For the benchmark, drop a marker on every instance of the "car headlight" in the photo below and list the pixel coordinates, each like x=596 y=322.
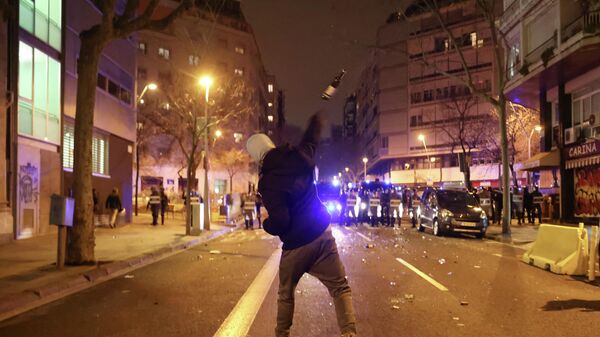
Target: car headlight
x=483 y=216
x=446 y=213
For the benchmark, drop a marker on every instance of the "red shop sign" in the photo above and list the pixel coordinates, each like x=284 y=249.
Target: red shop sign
x=583 y=150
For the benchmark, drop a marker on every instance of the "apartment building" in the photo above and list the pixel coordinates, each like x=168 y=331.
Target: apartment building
x=6 y=213
x=403 y=104
x=223 y=45
x=555 y=68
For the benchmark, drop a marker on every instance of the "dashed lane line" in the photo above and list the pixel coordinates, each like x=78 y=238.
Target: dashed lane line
x=240 y=319
x=422 y=274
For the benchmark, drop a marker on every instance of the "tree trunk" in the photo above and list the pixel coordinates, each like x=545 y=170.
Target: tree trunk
x=188 y=206
x=81 y=241
x=231 y=184
x=501 y=109
x=514 y=176
x=467 y=174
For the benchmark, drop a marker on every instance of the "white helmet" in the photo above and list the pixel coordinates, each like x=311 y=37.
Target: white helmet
x=258 y=145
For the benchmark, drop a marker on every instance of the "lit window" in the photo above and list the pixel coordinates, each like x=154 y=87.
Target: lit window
x=270 y=87
x=164 y=53
x=238 y=71
x=475 y=42
x=240 y=50
x=39 y=107
x=270 y=104
x=193 y=60
x=142 y=47
x=270 y=118
x=99 y=150
x=42 y=18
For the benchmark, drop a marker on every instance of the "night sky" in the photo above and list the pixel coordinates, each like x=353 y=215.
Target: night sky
x=305 y=43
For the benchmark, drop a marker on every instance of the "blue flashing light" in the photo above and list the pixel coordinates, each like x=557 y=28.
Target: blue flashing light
x=350 y=185
x=367 y=181
x=330 y=207
x=336 y=182
x=338 y=207
x=387 y=182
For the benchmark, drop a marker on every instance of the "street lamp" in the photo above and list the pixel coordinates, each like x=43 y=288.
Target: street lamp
x=365 y=160
x=206 y=82
x=150 y=86
x=539 y=129
x=421 y=137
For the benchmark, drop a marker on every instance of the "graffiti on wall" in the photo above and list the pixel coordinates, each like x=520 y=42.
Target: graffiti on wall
x=28 y=184
x=587 y=192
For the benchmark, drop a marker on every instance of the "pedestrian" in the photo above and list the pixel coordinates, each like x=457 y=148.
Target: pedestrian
x=538 y=200
x=385 y=208
x=154 y=205
x=96 y=210
x=301 y=221
x=249 y=207
x=113 y=204
x=258 y=207
x=164 y=205
x=349 y=213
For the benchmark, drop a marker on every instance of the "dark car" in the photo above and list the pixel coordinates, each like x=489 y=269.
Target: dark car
x=447 y=210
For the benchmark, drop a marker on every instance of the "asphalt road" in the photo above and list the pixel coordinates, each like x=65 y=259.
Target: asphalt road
x=481 y=289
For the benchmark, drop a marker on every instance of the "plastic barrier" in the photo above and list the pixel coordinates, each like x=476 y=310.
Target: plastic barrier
x=560 y=249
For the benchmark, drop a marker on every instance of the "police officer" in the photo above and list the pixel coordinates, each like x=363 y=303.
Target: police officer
x=363 y=212
x=396 y=208
x=385 y=207
x=415 y=204
x=343 y=199
x=538 y=200
x=154 y=205
x=164 y=204
x=374 y=204
x=350 y=205
x=517 y=201
x=249 y=207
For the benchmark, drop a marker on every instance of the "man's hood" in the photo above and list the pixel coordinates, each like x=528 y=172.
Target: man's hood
x=258 y=145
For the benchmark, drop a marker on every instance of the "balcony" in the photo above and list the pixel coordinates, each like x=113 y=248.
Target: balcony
x=536 y=54
x=516 y=10
x=586 y=23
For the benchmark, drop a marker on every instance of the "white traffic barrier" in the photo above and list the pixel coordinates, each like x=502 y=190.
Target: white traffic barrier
x=560 y=249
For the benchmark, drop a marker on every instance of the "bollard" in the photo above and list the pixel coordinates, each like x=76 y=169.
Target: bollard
x=593 y=254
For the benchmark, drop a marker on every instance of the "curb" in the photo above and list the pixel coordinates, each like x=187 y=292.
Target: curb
x=18 y=303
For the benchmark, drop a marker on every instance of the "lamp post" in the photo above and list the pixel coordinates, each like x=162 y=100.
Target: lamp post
x=421 y=137
x=365 y=160
x=537 y=128
x=206 y=82
x=139 y=126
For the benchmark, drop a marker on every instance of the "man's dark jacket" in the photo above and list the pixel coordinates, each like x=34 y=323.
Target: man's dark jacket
x=289 y=194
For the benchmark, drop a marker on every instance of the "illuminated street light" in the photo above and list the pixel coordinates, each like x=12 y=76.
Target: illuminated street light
x=206 y=81
x=421 y=138
x=365 y=160
x=347 y=169
x=152 y=86
x=218 y=133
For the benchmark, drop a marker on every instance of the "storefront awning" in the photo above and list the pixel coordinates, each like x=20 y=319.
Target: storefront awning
x=575 y=163
x=542 y=161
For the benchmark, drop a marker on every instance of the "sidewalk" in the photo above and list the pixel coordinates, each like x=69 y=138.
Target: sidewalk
x=29 y=278
x=521 y=235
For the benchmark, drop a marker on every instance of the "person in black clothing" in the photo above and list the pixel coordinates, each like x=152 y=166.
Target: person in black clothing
x=385 y=208
x=536 y=207
x=527 y=204
x=164 y=204
x=113 y=203
x=301 y=221
x=497 y=197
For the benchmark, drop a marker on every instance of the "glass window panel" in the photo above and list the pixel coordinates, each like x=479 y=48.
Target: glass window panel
x=113 y=88
x=41 y=24
x=586 y=108
x=39 y=124
x=53 y=129
x=41 y=6
x=576 y=112
x=596 y=104
x=55 y=12
x=68 y=146
x=25 y=118
x=40 y=81
x=26 y=15
x=25 y=71
x=53 y=87
x=54 y=37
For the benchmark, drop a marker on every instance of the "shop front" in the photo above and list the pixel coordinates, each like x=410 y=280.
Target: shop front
x=584 y=160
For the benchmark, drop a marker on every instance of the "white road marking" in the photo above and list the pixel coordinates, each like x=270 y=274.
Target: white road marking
x=361 y=234
x=422 y=274
x=240 y=319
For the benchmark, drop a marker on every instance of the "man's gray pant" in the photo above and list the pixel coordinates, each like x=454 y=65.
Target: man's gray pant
x=320 y=259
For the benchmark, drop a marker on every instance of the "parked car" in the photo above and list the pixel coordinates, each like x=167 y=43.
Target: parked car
x=451 y=210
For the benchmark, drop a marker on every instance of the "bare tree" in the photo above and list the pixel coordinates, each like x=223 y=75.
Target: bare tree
x=233 y=161
x=465 y=128
x=179 y=115
x=114 y=24
x=461 y=71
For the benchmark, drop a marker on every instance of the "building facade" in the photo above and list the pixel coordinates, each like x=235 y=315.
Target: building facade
x=554 y=67
x=6 y=98
x=222 y=45
x=404 y=104
x=114 y=110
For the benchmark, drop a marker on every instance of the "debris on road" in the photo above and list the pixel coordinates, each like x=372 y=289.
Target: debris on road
x=456 y=318
x=449 y=273
x=392 y=283
x=442 y=261
x=129 y=276
x=395 y=307
x=476 y=267
x=364 y=261
x=460 y=324
x=409 y=297
x=125 y=291
x=464 y=303
x=215 y=252
x=370 y=245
